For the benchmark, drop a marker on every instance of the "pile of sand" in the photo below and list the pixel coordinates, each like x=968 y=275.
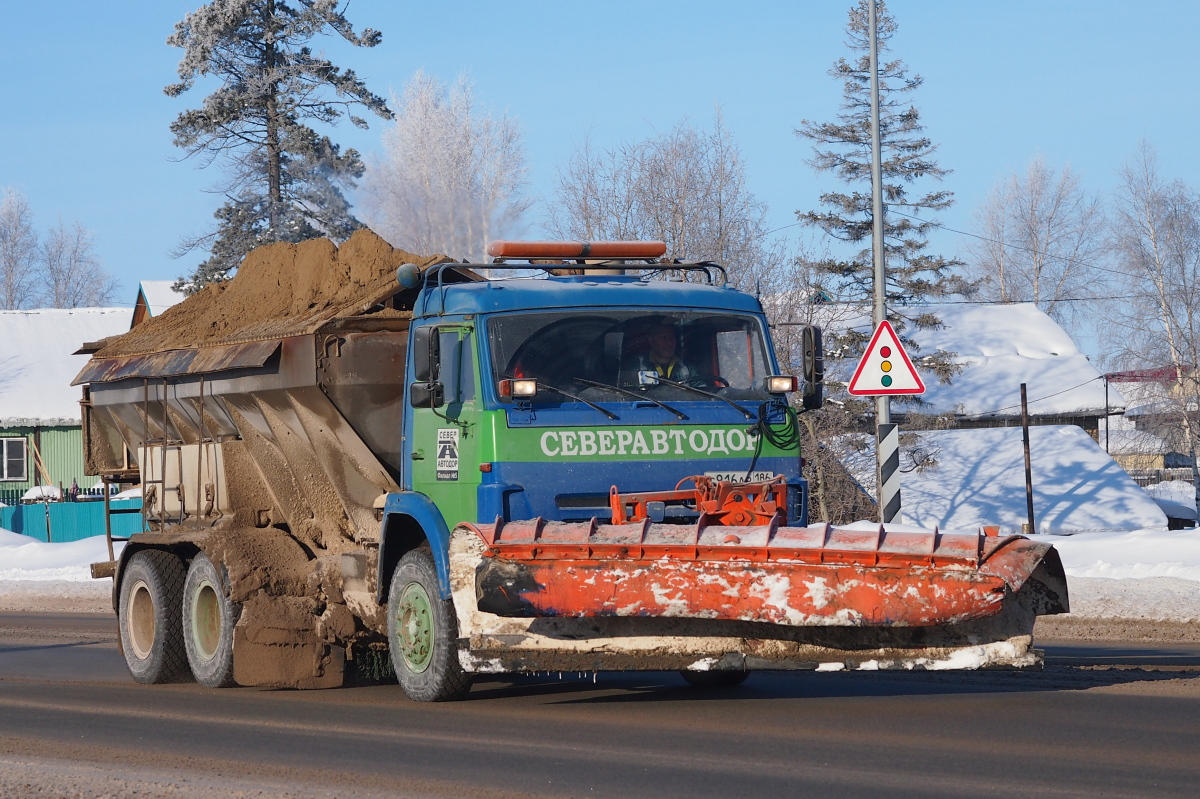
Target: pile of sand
x=279 y=290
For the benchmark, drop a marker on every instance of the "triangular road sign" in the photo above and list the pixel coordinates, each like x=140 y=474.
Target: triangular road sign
x=885 y=367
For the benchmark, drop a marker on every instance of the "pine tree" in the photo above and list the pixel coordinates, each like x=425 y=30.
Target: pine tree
x=843 y=148
x=284 y=180
x=914 y=276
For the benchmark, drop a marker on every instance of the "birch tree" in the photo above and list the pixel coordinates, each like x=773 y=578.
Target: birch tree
x=1040 y=233
x=18 y=253
x=72 y=276
x=1156 y=233
x=284 y=180
x=452 y=177
x=686 y=187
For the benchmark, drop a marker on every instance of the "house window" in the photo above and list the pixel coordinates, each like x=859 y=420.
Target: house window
x=13 y=459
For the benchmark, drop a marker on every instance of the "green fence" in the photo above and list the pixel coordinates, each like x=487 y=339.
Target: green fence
x=71 y=521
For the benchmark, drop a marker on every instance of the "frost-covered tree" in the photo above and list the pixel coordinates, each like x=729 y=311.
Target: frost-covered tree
x=452 y=178
x=72 y=276
x=842 y=148
x=686 y=187
x=1156 y=323
x=18 y=253
x=284 y=180
x=1038 y=236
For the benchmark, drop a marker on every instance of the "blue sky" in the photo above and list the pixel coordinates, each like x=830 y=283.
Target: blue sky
x=84 y=126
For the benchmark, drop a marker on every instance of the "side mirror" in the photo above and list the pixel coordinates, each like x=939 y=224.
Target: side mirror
x=426 y=395
x=814 y=368
x=427 y=351
x=426 y=392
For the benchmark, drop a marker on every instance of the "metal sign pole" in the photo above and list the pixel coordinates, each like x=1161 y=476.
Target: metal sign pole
x=887 y=450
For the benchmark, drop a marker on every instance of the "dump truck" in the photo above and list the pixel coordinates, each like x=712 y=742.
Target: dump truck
x=576 y=457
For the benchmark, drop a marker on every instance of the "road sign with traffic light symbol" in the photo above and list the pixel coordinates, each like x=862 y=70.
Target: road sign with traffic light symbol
x=885 y=367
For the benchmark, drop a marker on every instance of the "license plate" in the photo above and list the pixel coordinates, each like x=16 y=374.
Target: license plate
x=740 y=477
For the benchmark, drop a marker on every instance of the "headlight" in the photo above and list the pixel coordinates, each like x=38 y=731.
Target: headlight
x=781 y=384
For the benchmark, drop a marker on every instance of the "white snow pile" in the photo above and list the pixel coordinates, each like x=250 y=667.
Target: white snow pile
x=979 y=479
x=1141 y=574
x=1176 y=497
x=25 y=558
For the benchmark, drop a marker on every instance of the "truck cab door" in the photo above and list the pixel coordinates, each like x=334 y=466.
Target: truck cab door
x=445 y=431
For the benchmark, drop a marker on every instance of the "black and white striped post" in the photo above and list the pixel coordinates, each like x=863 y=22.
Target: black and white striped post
x=888 y=448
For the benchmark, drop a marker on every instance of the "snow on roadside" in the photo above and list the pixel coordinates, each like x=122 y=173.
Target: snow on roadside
x=25 y=558
x=1134 y=554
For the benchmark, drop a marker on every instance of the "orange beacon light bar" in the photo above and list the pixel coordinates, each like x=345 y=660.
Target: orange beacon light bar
x=577 y=249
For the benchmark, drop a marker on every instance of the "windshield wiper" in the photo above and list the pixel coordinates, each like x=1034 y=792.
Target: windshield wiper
x=686 y=387
x=578 y=398
x=635 y=394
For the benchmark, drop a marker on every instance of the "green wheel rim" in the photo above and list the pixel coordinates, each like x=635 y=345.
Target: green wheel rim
x=206 y=620
x=414 y=623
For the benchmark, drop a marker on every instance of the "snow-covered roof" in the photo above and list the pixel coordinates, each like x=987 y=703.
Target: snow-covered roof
x=160 y=295
x=1000 y=347
x=36 y=364
x=980 y=479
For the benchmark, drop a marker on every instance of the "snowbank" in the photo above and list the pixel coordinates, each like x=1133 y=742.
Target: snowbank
x=1176 y=497
x=980 y=479
x=23 y=558
x=1134 y=554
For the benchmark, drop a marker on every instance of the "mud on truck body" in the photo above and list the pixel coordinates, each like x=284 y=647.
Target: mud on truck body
x=482 y=475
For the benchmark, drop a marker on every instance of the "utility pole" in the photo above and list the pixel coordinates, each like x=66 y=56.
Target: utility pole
x=1028 y=465
x=887 y=439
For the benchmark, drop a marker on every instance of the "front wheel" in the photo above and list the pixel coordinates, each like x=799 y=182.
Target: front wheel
x=208 y=620
x=148 y=617
x=423 y=633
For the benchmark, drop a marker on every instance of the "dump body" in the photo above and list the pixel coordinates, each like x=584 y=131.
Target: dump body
x=307 y=459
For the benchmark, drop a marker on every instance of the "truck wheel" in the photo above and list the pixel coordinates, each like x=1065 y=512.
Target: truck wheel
x=423 y=633
x=715 y=679
x=149 y=618
x=208 y=620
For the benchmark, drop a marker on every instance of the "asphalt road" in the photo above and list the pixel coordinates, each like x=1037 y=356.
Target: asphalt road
x=1101 y=720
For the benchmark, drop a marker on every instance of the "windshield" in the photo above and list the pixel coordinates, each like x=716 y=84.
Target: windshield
x=604 y=355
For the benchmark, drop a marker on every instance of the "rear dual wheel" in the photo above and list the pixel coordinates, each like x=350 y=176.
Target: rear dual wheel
x=209 y=617
x=148 y=611
x=175 y=623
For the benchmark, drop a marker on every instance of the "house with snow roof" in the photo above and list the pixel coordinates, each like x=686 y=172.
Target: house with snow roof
x=998 y=347
x=969 y=475
x=41 y=440
x=154 y=297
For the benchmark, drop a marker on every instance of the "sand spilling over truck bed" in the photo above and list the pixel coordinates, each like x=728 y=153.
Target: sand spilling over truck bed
x=279 y=290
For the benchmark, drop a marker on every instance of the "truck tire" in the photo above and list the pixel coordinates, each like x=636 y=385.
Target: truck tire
x=208 y=620
x=423 y=633
x=714 y=679
x=149 y=617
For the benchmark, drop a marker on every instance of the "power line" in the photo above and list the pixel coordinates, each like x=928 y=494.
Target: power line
x=1006 y=245
x=1039 y=399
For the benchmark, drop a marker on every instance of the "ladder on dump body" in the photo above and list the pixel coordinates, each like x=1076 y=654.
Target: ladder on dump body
x=165 y=443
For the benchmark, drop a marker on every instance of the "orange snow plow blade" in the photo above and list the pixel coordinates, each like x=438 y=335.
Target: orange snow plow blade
x=794 y=576
x=797 y=576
